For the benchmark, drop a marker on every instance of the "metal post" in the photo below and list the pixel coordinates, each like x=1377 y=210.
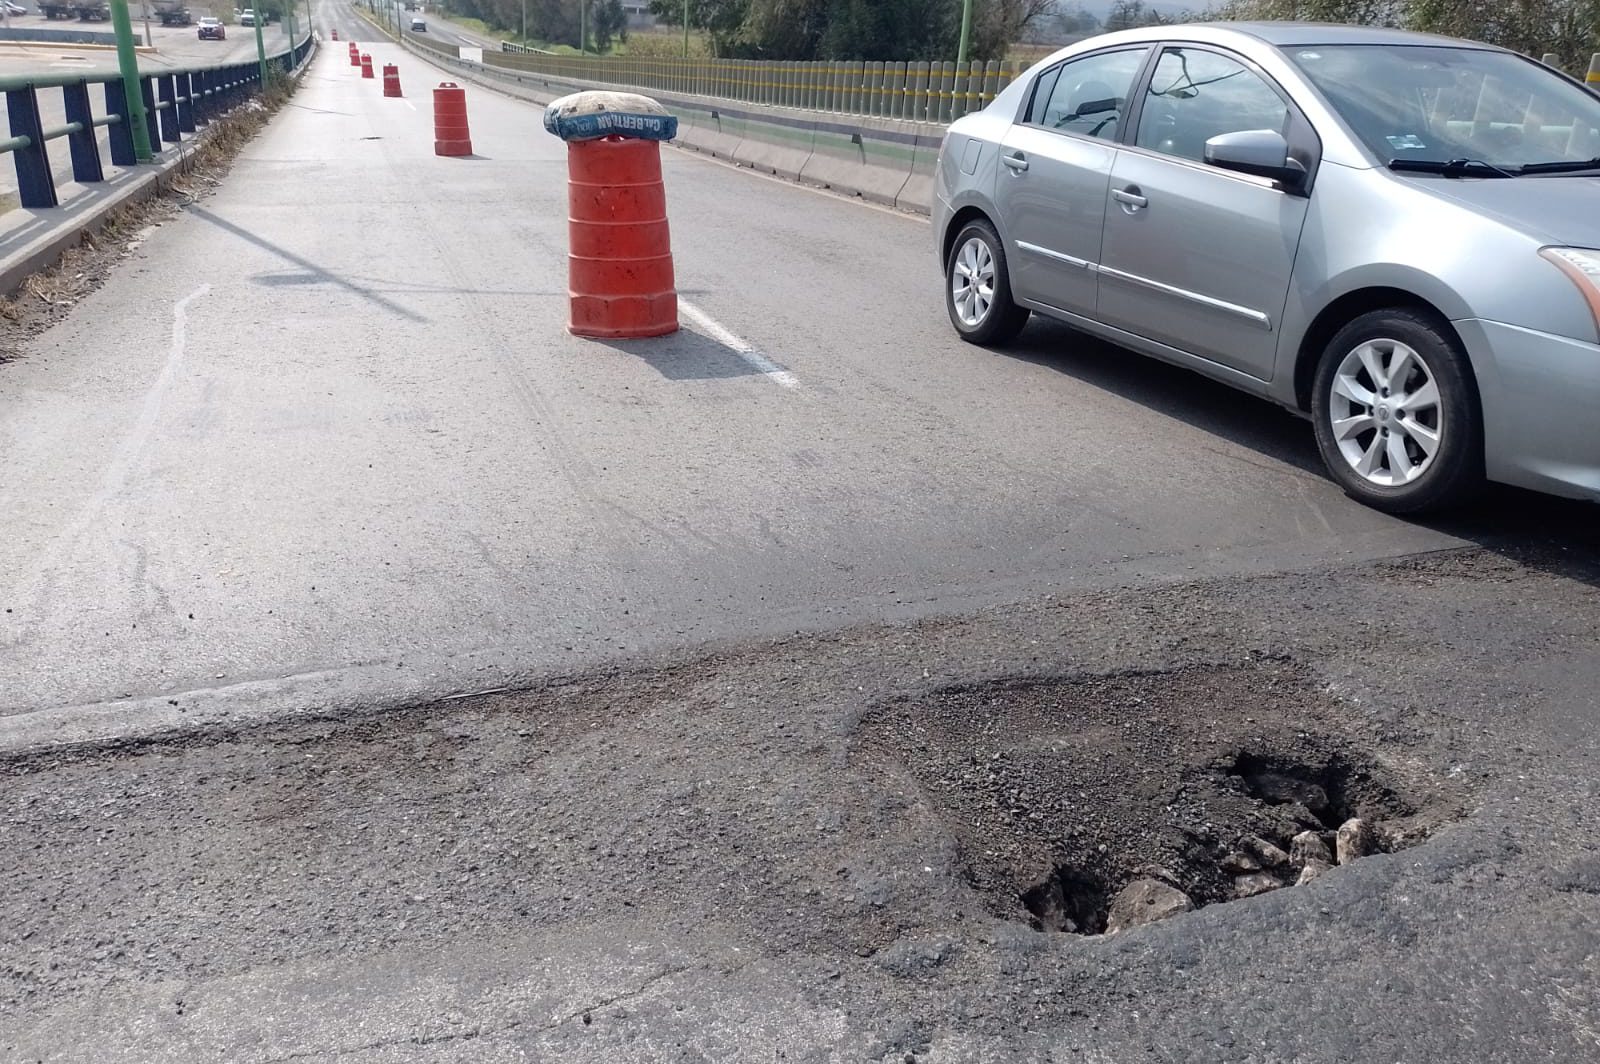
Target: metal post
x=84 y=145
x=121 y=131
x=261 y=49
x=167 y=91
x=966 y=33
x=128 y=62
x=686 y=29
x=36 y=187
x=583 y=27
x=524 y=23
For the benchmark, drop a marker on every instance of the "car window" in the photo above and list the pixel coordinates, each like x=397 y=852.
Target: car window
x=1195 y=95
x=1087 y=96
x=1434 y=104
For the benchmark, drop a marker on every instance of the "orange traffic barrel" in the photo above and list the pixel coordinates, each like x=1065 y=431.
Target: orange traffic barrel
x=1593 y=77
x=450 y=133
x=366 y=66
x=391 y=80
x=355 y=54
x=619 y=269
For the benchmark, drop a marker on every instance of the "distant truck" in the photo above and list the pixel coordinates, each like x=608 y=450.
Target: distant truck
x=171 y=12
x=82 y=10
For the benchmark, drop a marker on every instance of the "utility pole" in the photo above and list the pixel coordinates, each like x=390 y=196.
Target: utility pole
x=966 y=34
x=128 y=62
x=261 y=45
x=686 y=29
x=524 y=23
x=583 y=27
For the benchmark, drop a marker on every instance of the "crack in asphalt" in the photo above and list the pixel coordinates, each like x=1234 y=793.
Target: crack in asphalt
x=424 y=1038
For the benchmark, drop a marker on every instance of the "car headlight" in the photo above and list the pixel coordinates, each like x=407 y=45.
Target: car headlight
x=1582 y=266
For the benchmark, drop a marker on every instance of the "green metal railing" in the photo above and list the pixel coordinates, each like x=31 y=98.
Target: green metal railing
x=914 y=92
x=911 y=92
x=175 y=102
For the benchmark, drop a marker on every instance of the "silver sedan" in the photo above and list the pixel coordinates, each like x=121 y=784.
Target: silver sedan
x=1398 y=235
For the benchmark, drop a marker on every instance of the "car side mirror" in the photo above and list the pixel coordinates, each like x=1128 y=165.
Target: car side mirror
x=1261 y=152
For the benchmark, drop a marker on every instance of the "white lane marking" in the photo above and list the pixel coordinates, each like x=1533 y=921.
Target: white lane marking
x=714 y=329
x=117 y=474
x=408 y=103
x=122 y=463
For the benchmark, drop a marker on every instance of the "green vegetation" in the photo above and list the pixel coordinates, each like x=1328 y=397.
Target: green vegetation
x=912 y=30
x=550 y=24
x=1568 y=28
x=855 y=29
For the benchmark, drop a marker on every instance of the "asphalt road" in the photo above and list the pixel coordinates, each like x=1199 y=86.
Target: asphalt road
x=346 y=448
x=322 y=448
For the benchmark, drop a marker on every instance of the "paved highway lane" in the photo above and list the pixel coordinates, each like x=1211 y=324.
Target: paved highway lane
x=322 y=443
x=326 y=438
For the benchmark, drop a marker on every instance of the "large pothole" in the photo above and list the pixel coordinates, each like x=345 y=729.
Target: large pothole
x=1124 y=799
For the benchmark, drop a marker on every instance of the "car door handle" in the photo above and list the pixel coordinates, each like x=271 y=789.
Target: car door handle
x=1130 y=197
x=1017 y=162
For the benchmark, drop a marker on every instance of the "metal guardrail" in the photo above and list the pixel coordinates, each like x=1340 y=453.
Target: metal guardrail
x=913 y=92
x=522 y=49
x=175 y=102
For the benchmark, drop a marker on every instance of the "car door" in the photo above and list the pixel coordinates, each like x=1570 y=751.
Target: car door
x=1196 y=257
x=1055 y=167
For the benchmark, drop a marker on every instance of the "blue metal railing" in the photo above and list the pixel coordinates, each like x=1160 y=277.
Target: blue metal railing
x=175 y=102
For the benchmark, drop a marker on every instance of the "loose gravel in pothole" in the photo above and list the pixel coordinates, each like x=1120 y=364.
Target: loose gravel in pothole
x=1094 y=805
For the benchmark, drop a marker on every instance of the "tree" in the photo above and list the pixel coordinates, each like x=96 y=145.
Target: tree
x=1130 y=14
x=998 y=24
x=720 y=19
x=609 y=22
x=1569 y=28
x=890 y=30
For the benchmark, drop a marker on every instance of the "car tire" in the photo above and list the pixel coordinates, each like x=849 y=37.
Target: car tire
x=1396 y=411
x=976 y=269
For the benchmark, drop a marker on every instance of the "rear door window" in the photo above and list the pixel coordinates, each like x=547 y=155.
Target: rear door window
x=1088 y=95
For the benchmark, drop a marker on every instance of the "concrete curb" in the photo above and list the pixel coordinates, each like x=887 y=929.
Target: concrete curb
x=65 y=227
x=882 y=160
x=84 y=217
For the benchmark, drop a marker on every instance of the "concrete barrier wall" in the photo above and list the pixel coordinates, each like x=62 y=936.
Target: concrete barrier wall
x=882 y=160
x=48 y=36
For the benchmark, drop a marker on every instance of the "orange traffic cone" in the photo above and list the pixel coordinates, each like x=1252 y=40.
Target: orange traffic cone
x=619 y=269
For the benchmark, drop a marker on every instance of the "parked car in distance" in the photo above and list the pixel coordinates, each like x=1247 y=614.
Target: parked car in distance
x=247 y=17
x=211 y=29
x=418 y=26
x=8 y=7
x=1396 y=234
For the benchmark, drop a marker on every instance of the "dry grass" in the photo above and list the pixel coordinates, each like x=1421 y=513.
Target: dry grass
x=659 y=44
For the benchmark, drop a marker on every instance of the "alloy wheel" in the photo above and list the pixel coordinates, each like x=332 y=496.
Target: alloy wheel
x=1385 y=413
x=972 y=282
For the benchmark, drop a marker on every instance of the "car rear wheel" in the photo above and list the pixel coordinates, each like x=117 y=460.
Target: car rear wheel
x=1396 y=413
x=977 y=289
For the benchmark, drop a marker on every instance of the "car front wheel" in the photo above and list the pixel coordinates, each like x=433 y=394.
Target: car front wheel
x=977 y=290
x=1396 y=413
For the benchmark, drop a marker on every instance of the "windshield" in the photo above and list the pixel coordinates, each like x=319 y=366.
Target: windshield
x=1434 y=105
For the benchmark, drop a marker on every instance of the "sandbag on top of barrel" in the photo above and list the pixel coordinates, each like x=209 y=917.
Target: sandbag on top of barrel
x=592 y=115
